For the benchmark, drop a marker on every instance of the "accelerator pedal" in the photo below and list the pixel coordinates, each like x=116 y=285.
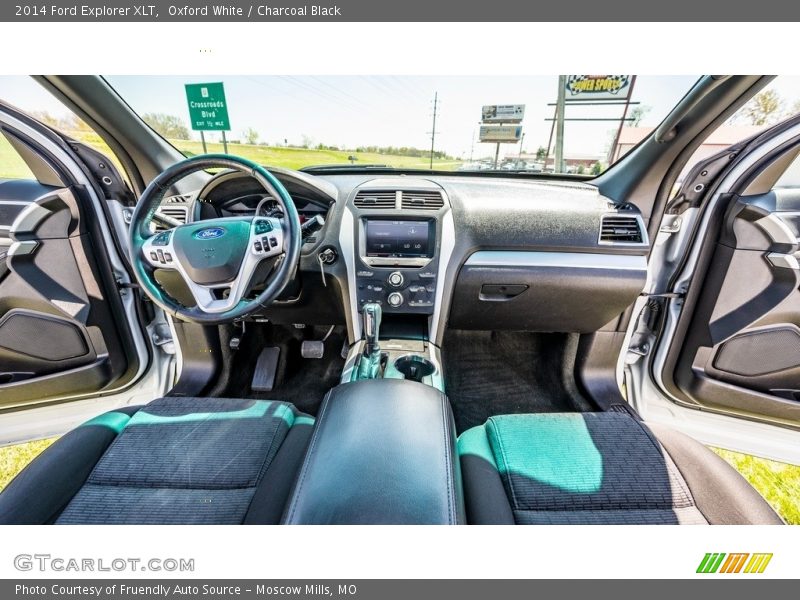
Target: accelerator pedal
x=266 y=369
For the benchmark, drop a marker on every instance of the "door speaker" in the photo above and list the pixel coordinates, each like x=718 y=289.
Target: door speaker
x=41 y=336
x=760 y=352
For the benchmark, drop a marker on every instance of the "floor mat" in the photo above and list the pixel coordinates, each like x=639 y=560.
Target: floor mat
x=495 y=373
x=301 y=381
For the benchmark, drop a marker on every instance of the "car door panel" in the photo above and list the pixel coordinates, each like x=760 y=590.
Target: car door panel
x=742 y=352
x=55 y=324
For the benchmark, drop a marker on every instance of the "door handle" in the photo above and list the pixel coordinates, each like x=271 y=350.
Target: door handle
x=500 y=292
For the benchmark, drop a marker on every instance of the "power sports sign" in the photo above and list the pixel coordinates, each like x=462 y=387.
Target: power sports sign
x=598 y=87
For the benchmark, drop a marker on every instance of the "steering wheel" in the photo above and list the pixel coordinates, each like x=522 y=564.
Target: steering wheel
x=216 y=258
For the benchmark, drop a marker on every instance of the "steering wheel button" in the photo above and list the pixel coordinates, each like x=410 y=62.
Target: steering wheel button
x=167 y=256
x=273 y=242
x=263 y=227
x=258 y=247
x=153 y=256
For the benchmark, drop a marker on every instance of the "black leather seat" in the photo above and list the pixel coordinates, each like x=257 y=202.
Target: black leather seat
x=598 y=468
x=175 y=460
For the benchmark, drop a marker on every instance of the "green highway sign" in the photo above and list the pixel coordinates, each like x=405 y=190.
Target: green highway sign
x=208 y=110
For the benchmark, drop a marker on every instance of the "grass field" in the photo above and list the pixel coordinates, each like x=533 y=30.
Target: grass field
x=295 y=158
x=14 y=458
x=12 y=167
x=779 y=483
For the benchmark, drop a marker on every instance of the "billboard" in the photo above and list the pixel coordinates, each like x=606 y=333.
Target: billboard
x=500 y=134
x=598 y=87
x=502 y=113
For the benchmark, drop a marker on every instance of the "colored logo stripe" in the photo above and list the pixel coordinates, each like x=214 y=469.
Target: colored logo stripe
x=758 y=563
x=734 y=563
x=710 y=562
x=717 y=562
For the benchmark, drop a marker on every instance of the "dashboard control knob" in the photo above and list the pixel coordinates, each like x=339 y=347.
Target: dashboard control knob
x=396 y=279
x=395 y=299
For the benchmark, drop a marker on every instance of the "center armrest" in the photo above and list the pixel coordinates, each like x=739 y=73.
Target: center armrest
x=382 y=452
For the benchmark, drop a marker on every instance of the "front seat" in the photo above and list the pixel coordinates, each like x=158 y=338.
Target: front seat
x=175 y=460
x=598 y=468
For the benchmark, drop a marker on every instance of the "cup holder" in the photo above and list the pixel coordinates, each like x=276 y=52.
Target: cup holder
x=414 y=367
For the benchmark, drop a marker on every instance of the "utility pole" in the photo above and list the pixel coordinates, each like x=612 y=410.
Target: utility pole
x=560 y=103
x=433 y=129
x=472 y=147
x=622 y=120
x=521 y=141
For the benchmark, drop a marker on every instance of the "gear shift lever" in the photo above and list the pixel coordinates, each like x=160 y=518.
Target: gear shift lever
x=371 y=315
x=369 y=366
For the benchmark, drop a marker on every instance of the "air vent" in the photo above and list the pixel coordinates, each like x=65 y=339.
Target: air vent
x=385 y=199
x=426 y=200
x=179 y=213
x=618 y=229
x=177 y=200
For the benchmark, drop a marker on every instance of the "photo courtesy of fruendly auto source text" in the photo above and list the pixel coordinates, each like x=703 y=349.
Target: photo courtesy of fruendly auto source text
x=409 y=290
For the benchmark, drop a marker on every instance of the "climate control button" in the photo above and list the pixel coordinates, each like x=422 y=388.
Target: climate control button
x=395 y=299
x=395 y=279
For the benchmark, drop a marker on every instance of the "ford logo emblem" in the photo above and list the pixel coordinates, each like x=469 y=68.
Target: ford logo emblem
x=209 y=233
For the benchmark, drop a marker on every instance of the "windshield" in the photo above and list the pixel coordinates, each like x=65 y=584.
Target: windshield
x=444 y=123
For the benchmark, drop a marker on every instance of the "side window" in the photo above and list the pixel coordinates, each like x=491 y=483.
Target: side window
x=778 y=101
x=11 y=164
x=27 y=95
x=791 y=176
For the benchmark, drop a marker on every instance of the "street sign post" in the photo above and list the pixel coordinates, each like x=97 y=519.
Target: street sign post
x=208 y=109
x=495 y=128
x=500 y=134
x=582 y=91
x=597 y=87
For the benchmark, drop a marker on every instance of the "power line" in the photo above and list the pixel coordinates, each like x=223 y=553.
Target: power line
x=355 y=99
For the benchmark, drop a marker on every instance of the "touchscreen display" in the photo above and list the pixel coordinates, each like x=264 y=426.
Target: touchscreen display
x=398 y=239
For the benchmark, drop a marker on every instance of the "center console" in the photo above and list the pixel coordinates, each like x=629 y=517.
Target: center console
x=396 y=264
x=383 y=448
x=397 y=231
x=382 y=452
x=396 y=236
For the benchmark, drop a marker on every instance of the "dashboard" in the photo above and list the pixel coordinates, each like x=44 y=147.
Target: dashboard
x=458 y=251
x=235 y=195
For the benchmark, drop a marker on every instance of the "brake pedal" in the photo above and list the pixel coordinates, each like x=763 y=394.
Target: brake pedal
x=266 y=369
x=312 y=349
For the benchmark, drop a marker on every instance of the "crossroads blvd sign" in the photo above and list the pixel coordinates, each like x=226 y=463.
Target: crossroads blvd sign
x=208 y=110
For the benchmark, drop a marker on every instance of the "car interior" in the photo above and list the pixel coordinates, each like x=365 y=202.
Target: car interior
x=353 y=345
